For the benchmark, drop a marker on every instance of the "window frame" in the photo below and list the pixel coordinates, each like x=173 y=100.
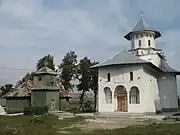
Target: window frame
x=139 y=43
x=39 y=78
x=108 y=95
x=149 y=42
x=131 y=76
x=108 y=77
x=135 y=95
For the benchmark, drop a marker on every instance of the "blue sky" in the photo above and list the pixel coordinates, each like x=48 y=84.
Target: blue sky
x=30 y=29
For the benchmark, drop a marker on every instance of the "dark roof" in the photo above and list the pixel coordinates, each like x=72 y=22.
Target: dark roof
x=167 y=69
x=124 y=57
x=142 y=25
x=44 y=70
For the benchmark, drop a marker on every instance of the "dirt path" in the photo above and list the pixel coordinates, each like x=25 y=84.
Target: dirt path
x=110 y=123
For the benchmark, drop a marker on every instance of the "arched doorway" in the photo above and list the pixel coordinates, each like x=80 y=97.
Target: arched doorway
x=121 y=96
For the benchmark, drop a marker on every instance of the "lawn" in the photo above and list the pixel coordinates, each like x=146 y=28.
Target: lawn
x=30 y=125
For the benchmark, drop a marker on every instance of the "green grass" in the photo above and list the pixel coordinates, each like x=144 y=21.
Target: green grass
x=29 y=125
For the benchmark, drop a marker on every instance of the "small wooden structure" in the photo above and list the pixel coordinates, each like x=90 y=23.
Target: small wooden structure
x=45 y=91
x=19 y=98
x=64 y=99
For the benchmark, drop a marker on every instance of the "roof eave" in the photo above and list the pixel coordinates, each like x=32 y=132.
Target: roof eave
x=34 y=73
x=124 y=64
x=157 y=34
x=175 y=73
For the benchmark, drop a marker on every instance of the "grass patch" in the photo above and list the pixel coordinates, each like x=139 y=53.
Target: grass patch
x=50 y=125
x=34 y=125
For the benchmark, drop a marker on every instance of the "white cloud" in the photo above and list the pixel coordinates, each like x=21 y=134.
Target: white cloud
x=30 y=29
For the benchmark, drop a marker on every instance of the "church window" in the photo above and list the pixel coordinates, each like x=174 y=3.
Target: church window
x=136 y=36
x=139 y=42
x=131 y=76
x=132 y=44
x=149 y=42
x=40 y=78
x=108 y=95
x=146 y=35
x=108 y=77
x=141 y=52
x=134 y=97
x=150 y=35
x=141 y=35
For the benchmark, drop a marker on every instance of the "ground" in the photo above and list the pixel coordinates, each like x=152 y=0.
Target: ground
x=51 y=125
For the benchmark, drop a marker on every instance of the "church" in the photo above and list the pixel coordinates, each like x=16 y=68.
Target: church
x=138 y=80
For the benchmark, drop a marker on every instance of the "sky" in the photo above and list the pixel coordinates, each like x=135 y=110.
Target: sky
x=31 y=29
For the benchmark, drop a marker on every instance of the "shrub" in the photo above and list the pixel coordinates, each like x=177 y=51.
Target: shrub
x=88 y=107
x=10 y=131
x=37 y=119
x=35 y=110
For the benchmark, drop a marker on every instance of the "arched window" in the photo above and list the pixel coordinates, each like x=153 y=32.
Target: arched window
x=108 y=95
x=134 y=97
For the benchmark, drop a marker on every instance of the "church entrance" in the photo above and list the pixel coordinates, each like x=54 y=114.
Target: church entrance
x=121 y=96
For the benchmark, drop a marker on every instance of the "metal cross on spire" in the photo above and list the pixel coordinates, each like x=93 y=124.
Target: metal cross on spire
x=142 y=14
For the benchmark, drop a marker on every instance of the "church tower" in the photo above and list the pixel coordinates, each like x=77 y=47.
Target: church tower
x=142 y=38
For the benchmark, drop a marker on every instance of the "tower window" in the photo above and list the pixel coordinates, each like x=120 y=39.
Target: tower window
x=139 y=42
x=40 y=78
x=146 y=35
x=136 y=36
x=131 y=76
x=108 y=77
x=132 y=43
x=141 y=35
x=149 y=43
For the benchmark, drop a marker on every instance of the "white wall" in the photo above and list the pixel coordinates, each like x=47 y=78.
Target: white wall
x=144 y=37
x=153 y=58
x=168 y=91
x=140 y=81
x=153 y=88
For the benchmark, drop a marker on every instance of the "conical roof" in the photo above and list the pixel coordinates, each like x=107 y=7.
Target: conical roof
x=45 y=70
x=142 y=25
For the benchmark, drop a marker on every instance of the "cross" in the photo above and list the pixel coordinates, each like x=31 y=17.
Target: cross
x=142 y=14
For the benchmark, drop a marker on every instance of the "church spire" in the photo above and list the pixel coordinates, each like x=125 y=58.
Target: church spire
x=142 y=38
x=142 y=25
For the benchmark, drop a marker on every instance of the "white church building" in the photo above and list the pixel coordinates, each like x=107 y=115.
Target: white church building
x=138 y=80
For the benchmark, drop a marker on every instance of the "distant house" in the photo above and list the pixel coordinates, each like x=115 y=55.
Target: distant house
x=41 y=91
x=75 y=97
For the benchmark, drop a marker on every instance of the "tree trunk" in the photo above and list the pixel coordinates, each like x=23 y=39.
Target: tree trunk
x=81 y=107
x=95 y=101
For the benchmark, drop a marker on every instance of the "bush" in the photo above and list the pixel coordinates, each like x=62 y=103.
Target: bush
x=35 y=110
x=37 y=119
x=10 y=131
x=88 y=107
